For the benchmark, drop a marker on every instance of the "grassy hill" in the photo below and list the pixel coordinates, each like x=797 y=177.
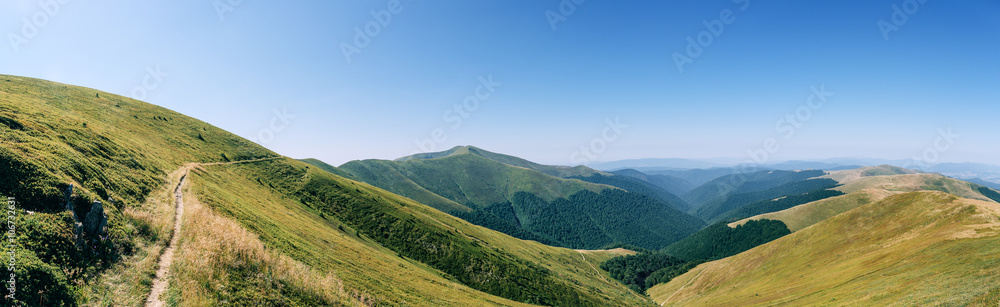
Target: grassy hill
x=273 y=232
x=552 y=170
x=917 y=248
x=463 y=177
x=865 y=185
x=327 y=219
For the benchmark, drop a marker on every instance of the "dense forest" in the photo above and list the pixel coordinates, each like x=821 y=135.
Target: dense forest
x=500 y=217
x=719 y=240
x=714 y=210
x=774 y=205
x=647 y=268
x=587 y=220
x=989 y=193
x=633 y=270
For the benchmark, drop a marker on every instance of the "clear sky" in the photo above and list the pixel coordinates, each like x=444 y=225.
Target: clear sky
x=554 y=79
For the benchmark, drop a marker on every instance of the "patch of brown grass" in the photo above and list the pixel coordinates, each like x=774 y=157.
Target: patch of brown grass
x=211 y=245
x=127 y=282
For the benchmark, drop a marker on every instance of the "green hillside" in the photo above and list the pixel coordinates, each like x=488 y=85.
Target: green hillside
x=384 y=175
x=719 y=240
x=522 y=201
x=326 y=167
x=464 y=178
x=916 y=248
x=868 y=184
x=552 y=170
x=270 y=232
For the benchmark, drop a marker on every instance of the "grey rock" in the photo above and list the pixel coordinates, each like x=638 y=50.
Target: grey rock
x=96 y=220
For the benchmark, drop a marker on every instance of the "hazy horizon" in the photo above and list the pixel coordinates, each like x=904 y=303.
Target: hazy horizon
x=797 y=80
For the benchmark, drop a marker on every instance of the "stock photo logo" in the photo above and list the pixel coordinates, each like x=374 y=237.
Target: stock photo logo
x=455 y=116
x=363 y=35
x=33 y=24
x=714 y=28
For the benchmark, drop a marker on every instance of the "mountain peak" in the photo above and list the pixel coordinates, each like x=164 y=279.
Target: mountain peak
x=454 y=151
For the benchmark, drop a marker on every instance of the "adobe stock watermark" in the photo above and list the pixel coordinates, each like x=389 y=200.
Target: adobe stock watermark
x=30 y=26
x=458 y=113
x=281 y=119
x=899 y=16
x=150 y=82
x=565 y=9
x=943 y=141
x=11 y=249
x=363 y=35
x=613 y=129
x=713 y=29
x=224 y=7
x=786 y=128
x=788 y=125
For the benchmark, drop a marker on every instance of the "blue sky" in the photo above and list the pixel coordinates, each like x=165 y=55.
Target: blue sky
x=554 y=91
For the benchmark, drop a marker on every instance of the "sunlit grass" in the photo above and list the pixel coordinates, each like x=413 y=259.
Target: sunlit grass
x=918 y=248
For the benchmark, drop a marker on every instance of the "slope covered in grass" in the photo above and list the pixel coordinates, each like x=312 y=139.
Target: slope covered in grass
x=449 y=247
x=110 y=149
x=551 y=170
x=869 y=184
x=464 y=178
x=918 y=248
x=277 y=232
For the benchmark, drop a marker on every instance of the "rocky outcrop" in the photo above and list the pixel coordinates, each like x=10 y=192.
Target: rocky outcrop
x=96 y=220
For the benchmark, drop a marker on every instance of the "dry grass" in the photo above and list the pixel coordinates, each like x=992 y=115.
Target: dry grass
x=212 y=246
x=805 y=215
x=862 y=189
x=907 y=249
x=127 y=283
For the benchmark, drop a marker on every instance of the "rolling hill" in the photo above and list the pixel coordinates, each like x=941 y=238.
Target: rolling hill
x=869 y=184
x=587 y=209
x=266 y=230
x=463 y=176
x=913 y=248
x=551 y=170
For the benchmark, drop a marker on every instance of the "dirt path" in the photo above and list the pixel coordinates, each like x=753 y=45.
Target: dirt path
x=160 y=282
x=592 y=265
x=682 y=287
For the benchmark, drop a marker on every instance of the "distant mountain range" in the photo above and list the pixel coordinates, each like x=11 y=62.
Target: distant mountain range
x=967 y=171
